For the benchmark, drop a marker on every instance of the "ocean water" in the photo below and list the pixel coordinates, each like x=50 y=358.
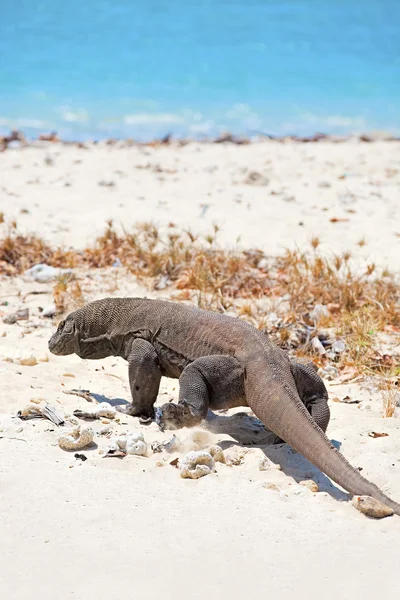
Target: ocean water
x=144 y=68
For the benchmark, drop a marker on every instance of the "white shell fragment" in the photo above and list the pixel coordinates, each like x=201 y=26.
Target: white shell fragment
x=43 y=273
x=196 y=464
x=77 y=438
x=264 y=464
x=138 y=447
x=217 y=453
x=99 y=411
x=133 y=443
x=104 y=409
x=371 y=507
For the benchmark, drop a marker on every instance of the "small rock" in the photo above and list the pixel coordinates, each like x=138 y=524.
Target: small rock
x=310 y=484
x=10 y=319
x=28 y=361
x=255 y=178
x=196 y=464
x=329 y=372
x=371 y=507
x=318 y=312
x=43 y=273
x=271 y=486
x=49 y=311
x=136 y=446
x=217 y=453
x=318 y=347
x=338 y=346
x=264 y=464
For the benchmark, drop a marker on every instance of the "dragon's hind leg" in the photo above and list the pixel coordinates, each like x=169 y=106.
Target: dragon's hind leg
x=312 y=392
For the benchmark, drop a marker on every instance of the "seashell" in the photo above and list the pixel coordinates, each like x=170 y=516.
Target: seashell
x=217 y=453
x=77 y=438
x=196 y=464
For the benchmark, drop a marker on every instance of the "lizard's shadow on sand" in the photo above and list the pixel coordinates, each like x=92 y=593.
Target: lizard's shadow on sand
x=249 y=431
x=112 y=401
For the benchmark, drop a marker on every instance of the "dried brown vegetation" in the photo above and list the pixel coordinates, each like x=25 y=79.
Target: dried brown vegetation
x=355 y=307
x=20 y=252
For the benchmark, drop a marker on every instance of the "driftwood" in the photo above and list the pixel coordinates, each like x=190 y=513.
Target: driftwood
x=42 y=412
x=82 y=394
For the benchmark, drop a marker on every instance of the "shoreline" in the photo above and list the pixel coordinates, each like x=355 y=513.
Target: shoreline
x=16 y=136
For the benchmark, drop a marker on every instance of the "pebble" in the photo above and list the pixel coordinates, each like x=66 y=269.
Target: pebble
x=49 y=311
x=271 y=486
x=28 y=361
x=310 y=484
x=217 y=453
x=264 y=464
x=10 y=319
x=196 y=464
x=371 y=507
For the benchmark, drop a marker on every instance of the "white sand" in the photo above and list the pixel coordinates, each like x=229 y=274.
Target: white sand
x=108 y=528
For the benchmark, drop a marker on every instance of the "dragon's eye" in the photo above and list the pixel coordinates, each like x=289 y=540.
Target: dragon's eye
x=61 y=325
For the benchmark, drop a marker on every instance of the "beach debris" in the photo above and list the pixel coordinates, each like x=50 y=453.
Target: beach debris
x=196 y=464
x=10 y=319
x=264 y=464
x=329 y=372
x=235 y=457
x=19 y=315
x=85 y=394
x=131 y=443
x=101 y=410
x=346 y=400
x=310 y=484
x=256 y=178
x=77 y=438
x=375 y=434
x=319 y=312
x=173 y=445
x=338 y=346
x=47 y=411
x=49 y=311
x=81 y=457
x=43 y=273
x=317 y=345
x=28 y=361
x=217 y=453
x=371 y=507
x=14 y=140
x=106 y=183
x=270 y=486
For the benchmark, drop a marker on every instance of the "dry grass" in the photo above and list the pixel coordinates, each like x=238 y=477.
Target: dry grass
x=357 y=307
x=20 y=252
x=67 y=294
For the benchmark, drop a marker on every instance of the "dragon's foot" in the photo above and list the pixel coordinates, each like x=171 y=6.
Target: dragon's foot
x=145 y=415
x=174 y=416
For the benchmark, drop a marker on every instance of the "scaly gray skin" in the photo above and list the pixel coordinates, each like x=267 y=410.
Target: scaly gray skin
x=220 y=362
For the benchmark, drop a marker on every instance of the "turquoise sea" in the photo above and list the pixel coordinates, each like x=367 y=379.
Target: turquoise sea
x=144 y=68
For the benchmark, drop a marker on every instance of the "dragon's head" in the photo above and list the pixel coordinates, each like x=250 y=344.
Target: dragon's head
x=63 y=341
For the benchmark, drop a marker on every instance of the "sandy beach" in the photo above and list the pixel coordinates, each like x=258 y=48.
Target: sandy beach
x=108 y=527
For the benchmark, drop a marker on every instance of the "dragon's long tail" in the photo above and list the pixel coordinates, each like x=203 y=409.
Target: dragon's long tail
x=272 y=395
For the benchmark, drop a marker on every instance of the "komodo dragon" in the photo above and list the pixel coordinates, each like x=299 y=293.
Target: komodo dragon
x=221 y=362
